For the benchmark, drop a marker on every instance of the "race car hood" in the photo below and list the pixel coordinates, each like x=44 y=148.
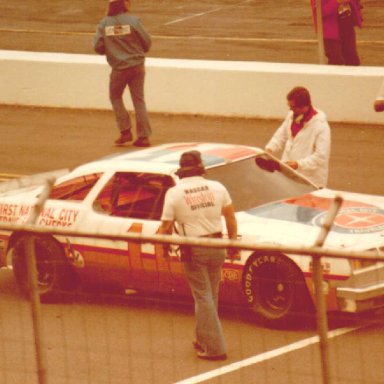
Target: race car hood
x=358 y=225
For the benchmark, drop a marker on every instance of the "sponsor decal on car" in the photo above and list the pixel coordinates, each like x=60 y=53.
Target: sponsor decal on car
x=354 y=217
x=356 y=220
x=10 y=213
x=56 y=217
x=50 y=216
x=231 y=275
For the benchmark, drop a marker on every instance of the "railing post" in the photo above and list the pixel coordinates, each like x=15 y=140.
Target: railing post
x=321 y=319
x=36 y=311
x=33 y=286
x=321 y=310
x=320 y=32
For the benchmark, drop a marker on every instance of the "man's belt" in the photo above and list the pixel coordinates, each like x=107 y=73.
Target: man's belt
x=216 y=235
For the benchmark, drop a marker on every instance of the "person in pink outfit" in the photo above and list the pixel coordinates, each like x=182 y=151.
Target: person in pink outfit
x=340 y=17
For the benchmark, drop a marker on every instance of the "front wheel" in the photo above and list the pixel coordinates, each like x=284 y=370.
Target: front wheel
x=275 y=289
x=54 y=274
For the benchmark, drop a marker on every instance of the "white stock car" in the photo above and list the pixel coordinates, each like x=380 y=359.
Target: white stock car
x=275 y=205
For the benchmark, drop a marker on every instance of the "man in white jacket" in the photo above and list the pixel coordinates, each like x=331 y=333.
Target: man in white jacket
x=304 y=138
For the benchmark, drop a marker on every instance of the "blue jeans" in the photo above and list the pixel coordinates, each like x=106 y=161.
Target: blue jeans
x=132 y=77
x=204 y=274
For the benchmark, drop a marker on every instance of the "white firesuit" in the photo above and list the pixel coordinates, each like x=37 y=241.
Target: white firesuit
x=310 y=148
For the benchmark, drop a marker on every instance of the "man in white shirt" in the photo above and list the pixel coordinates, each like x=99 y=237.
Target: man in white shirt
x=196 y=205
x=304 y=138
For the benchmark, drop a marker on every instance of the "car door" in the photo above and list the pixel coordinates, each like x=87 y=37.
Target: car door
x=132 y=202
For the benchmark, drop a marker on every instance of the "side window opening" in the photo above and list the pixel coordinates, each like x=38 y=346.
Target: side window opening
x=75 y=189
x=136 y=195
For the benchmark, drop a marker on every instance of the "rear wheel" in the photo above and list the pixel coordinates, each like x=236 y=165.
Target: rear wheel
x=275 y=289
x=54 y=274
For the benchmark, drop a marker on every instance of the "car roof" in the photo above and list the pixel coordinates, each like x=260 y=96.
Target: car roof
x=165 y=158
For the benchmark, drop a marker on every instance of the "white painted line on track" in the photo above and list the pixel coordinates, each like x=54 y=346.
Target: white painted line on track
x=192 y=16
x=263 y=357
x=205 y=13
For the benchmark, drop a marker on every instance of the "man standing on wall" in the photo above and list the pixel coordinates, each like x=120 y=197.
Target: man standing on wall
x=122 y=38
x=196 y=205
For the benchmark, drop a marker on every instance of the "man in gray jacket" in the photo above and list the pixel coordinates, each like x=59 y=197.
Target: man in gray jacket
x=122 y=38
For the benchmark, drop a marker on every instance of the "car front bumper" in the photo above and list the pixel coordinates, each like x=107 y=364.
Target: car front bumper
x=363 y=291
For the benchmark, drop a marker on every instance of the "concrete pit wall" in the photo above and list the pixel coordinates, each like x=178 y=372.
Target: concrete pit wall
x=218 y=88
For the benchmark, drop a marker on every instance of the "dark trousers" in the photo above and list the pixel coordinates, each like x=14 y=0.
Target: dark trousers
x=343 y=51
x=132 y=77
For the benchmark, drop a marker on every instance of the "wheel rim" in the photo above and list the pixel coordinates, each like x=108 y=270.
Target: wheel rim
x=275 y=292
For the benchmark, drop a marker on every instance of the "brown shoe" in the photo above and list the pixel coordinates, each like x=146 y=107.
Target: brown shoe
x=205 y=356
x=125 y=136
x=142 y=142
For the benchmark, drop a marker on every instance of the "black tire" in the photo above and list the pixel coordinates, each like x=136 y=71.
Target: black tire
x=275 y=290
x=54 y=274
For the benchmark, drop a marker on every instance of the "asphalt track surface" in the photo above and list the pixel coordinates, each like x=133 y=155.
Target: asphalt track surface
x=97 y=339
x=203 y=29
x=107 y=339
x=100 y=338
x=43 y=139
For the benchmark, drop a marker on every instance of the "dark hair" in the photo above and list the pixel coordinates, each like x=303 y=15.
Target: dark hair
x=116 y=7
x=183 y=172
x=190 y=164
x=300 y=96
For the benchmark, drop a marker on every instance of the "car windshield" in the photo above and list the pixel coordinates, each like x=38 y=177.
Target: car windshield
x=259 y=180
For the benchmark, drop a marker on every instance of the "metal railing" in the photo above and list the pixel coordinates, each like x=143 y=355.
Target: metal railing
x=316 y=252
